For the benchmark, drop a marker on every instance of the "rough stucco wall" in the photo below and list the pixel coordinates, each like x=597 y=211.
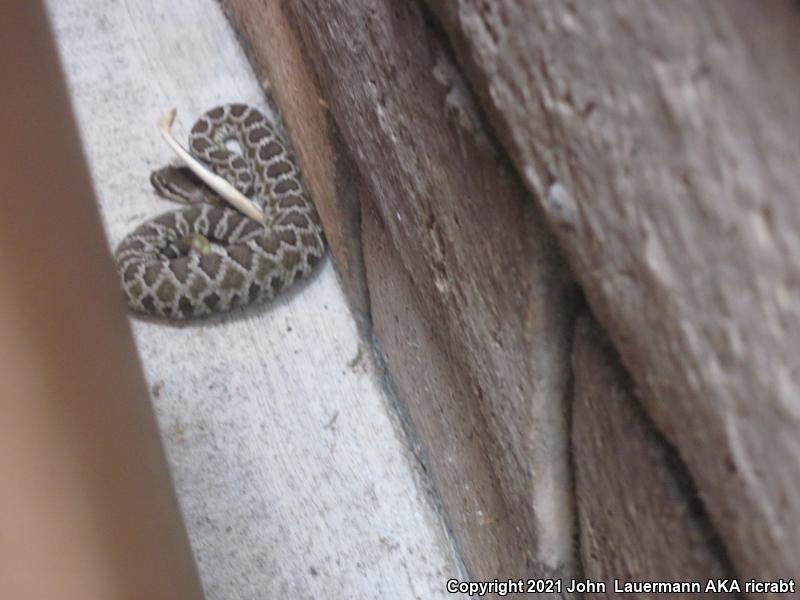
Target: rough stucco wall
x=661 y=139
x=639 y=516
x=473 y=256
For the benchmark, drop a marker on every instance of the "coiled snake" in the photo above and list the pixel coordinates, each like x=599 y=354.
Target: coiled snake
x=207 y=257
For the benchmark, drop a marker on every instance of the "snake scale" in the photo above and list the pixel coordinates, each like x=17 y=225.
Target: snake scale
x=206 y=257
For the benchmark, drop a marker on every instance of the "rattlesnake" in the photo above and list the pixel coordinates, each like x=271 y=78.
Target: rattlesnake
x=208 y=258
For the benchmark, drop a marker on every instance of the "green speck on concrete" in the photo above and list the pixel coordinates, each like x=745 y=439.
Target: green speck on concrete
x=357 y=358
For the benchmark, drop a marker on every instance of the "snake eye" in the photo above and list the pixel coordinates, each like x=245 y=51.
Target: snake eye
x=158 y=181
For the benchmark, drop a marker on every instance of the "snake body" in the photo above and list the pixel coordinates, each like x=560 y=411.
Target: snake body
x=208 y=258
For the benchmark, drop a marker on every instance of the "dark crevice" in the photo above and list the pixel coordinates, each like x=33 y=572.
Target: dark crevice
x=669 y=454
x=349 y=186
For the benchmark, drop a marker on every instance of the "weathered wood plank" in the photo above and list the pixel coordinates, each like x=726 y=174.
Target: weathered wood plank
x=466 y=287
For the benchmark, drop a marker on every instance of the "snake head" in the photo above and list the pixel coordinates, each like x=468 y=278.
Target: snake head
x=179 y=184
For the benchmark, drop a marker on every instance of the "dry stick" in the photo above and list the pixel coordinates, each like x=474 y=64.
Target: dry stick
x=220 y=185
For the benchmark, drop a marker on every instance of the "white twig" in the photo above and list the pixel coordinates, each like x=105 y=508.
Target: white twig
x=220 y=185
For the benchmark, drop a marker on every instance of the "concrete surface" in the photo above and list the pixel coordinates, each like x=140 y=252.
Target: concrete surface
x=292 y=473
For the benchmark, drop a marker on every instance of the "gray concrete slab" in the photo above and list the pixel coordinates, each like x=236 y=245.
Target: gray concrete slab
x=292 y=474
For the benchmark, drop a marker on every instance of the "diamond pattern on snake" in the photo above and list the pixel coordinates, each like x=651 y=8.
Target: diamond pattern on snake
x=207 y=257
